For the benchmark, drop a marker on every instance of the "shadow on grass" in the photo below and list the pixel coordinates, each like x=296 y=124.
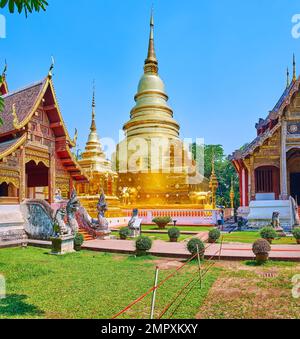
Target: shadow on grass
x=14 y=305
x=255 y=263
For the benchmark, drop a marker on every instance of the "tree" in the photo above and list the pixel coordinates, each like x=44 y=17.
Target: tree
x=224 y=172
x=26 y=6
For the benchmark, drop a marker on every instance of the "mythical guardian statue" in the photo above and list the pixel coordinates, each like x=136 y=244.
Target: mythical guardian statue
x=71 y=227
x=102 y=208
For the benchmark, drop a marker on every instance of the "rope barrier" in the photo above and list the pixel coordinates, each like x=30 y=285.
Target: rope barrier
x=153 y=288
x=203 y=273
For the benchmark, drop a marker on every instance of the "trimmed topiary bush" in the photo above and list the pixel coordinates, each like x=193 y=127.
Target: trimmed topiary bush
x=214 y=235
x=174 y=234
x=261 y=249
x=296 y=234
x=78 y=241
x=124 y=233
x=192 y=246
x=143 y=244
x=268 y=233
x=162 y=222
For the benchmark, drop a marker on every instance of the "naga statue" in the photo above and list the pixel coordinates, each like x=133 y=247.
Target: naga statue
x=71 y=227
x=102 y=208
x=99 y=227
x=73 y=206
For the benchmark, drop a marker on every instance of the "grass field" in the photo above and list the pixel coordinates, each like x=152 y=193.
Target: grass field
x=94 y=285
x=246 y=291
x=88 y=285
x=181 y=228
x=250 y=237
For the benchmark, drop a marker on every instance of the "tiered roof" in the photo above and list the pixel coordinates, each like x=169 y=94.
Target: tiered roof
x=20 y=106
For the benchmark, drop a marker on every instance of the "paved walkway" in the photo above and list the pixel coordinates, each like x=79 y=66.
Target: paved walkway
x=178 y=250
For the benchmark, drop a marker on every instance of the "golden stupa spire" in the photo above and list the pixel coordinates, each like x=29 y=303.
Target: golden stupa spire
x=93 y=125
x=288 y=82
x=151 y=64
x=294 y=68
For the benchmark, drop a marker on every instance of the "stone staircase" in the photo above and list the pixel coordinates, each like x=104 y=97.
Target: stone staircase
x=85 y=234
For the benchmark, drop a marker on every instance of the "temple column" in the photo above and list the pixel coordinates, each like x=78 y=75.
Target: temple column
x=51 y=179
x=252 y=179
x=22 y=190
x=283 y=169
x=244 y=188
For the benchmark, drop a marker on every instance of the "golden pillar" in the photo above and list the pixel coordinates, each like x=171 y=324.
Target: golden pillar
x=213 y=185
x=232 y=196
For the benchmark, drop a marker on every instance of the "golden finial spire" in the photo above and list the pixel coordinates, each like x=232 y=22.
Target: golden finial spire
x=151 y=61
x=51 y=67
x=93 y=125
x=4 y=70
x=288 y=82
x=294 y=68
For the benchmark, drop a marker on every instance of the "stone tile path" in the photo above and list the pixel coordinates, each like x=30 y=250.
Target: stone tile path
x=178 y=250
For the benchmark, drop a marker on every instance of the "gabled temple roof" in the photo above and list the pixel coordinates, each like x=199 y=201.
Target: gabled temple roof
x=24 y=100
x=276 y=112
x=22 y=104
x=19 y=108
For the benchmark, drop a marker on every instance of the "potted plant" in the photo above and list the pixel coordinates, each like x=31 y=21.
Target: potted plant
x=213 y=235
x=174 y=234
x=194 y=244
x=143 y=244
x=268 y=233
x=78 y=241
x=296 y=234
x=124 y=233
x=162 y=222
x=261 y=249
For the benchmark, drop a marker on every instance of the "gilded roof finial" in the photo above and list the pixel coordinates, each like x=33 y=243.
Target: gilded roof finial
x=151 y=61
x=288 y=82
x=51 y=67
x=294 y=68
x=4 y=70
x=93 y=125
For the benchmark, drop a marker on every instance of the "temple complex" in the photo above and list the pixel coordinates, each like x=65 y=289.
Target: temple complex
x=102 y=177
x=35 y=146
x=269 y=167
x=155 y=167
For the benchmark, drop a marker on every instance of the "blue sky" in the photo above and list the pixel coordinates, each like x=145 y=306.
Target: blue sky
x=223 y=62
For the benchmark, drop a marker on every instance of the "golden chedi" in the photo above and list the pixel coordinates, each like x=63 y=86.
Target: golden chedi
x=102 y=177
x=154 y=166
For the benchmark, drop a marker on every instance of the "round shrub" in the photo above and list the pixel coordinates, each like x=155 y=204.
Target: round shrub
x=124 y=232
x=296 y=234
x=261 y=246
x=78 y=241
x=214 y=235
x=143 y=244
x=268 y=233
x=174 y=233
x=162 y=222
x=261 y=249
x=192 y=246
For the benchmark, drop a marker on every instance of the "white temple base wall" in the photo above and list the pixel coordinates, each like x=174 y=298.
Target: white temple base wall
x=261 y=212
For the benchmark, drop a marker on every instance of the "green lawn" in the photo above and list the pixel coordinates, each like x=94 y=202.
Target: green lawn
x=250 y=237
x=88 y=285
x=158 y=236
x=181 y=228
